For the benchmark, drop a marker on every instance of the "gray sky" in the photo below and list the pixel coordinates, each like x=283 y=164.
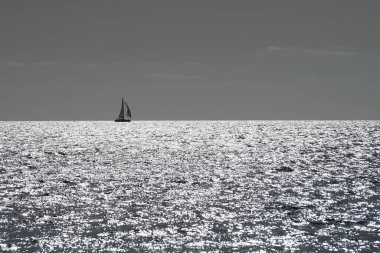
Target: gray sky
x=190 y=60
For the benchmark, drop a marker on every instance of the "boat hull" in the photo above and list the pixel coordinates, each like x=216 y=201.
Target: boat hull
x=122 y=120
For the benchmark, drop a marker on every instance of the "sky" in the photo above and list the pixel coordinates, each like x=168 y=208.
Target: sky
x=190 y=60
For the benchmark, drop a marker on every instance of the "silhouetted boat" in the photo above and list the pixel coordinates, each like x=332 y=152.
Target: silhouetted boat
x=125 y=113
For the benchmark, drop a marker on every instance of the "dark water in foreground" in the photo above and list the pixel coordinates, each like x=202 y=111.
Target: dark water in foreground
x=190 y=186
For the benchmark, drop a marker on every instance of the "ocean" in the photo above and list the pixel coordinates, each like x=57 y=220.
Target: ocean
x=219 y=186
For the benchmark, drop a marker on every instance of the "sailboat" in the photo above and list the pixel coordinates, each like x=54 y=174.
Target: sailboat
x=125 y=113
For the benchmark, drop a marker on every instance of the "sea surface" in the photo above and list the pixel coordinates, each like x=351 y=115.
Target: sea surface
x=219 y=186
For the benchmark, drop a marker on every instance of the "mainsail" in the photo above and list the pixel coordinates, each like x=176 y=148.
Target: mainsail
x=125 y=113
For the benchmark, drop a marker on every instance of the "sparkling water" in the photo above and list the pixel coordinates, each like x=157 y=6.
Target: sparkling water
x=296 y=186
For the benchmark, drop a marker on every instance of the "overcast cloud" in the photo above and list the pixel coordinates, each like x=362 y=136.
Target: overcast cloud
x=190 y=60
